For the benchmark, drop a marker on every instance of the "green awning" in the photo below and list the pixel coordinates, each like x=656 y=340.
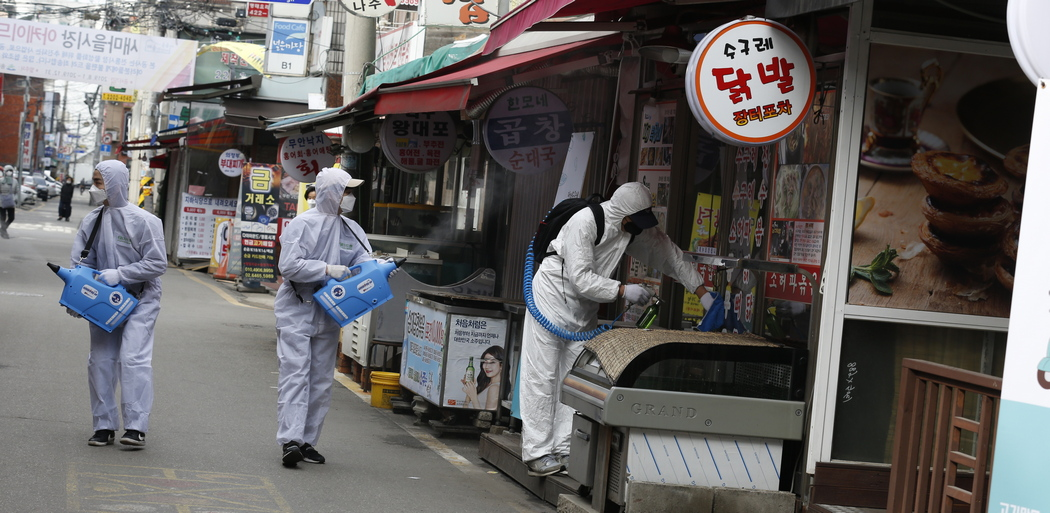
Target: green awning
x=444 y=56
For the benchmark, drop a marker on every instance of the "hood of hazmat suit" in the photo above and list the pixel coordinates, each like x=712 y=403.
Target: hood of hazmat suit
x=314 y=240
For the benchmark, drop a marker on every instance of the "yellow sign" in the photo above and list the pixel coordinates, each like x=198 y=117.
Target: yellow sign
x=115 y=97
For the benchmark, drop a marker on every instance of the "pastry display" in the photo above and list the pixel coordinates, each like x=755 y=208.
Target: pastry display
x=1016 y=161
x=965 y=211
x=957 y=179
x=1004 y=271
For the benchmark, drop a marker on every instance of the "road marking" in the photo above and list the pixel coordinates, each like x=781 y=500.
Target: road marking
x=43 y=227
x=20 y=294
x=102 y=487
x=217 y=290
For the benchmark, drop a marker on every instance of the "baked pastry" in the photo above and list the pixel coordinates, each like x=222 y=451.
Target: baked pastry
x=983 y=221
x=1005 y=267
x=1016 y=161
x=959 y=253
x=957 y=179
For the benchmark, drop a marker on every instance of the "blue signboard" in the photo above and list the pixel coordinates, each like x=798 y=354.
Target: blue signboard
x=289 y=37
x=105 y=148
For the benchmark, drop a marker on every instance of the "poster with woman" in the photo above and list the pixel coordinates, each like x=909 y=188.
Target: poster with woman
x=474 y=363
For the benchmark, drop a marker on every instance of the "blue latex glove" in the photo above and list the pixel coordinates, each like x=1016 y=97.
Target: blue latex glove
x=715 y=316
x=110 y=277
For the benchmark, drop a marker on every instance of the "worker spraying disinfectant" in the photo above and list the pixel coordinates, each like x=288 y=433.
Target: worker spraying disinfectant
x=103 y=305
x=362 y=291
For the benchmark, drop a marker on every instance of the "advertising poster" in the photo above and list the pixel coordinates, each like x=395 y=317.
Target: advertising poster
x=288 y=196
x=1021 y=444
x=424 y=346
x=656 y=137
x=197 y=223
x=796 y=227
x=528 y=130
x=704 y=240
x=476 y=354
x=748 y=210
x=259 y=256
x=929 y=115
x=260 y=184
x=220 y=254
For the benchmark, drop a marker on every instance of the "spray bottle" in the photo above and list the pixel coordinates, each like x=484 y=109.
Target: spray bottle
x=363 y=290
x=102 y=305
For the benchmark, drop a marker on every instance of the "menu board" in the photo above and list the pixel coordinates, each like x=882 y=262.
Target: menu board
x=197 y=216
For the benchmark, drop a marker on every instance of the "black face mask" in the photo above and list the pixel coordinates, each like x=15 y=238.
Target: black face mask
x=632 y=228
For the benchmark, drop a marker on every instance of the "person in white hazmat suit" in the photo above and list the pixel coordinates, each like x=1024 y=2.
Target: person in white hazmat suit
x=567 y=289
x=318 y=244
x=128 y=249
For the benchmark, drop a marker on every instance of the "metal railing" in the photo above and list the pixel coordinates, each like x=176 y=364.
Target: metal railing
x=945 y=435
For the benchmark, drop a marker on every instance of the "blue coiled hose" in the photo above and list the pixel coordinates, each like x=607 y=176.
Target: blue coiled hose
x=543 y=321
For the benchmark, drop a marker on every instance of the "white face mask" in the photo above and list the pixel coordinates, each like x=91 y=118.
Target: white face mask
x=97 y=195
x=312 y=203
x=348 y=202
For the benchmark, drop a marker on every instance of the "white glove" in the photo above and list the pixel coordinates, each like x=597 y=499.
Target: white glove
x=636 y=294
x=338 y=272
x=72 y=313
x=387 y=261
x=110 y=277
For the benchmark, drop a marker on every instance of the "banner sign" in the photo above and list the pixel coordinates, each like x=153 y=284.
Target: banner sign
x=305 y=155
x=197 y=216
x=528 y=130
x=459 y=13
x=258 y=10
x=259 y=256
x=286 y=47
x=118 y=59
x=750 y=82
x=27 y=146
x=259 y=185
x=418 y=142
x=399 y=46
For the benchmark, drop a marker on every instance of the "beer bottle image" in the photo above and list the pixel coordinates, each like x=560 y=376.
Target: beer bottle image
x=469 y=376
x=650 y=314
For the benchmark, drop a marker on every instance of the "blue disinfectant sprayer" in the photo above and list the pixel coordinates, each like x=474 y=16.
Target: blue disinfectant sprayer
x=365 y=289
x=102 y=305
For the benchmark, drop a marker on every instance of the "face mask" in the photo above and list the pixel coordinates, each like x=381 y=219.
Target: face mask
x=632 y=228
x=10 y=173
x=348 y=202
x=97 y=195
x=312 y=203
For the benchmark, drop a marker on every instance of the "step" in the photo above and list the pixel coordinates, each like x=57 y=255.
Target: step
x=503 y=451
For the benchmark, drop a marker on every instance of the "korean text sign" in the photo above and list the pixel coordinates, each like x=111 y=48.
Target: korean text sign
x=305 y=155
x=287 y=47
x=459 y=13
x=475 y=348
x=370 y=8
x=418 y=142
x=197 y=223
x=424 y=350
x=528 y=130
x=750 y=82
x=76 y=54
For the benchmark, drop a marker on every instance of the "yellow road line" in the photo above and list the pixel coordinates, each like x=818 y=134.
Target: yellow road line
x=217 y=290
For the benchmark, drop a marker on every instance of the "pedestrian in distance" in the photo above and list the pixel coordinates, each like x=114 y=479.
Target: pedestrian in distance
x=567 y=288
x=9 y=193
x=316 y=245
x=65 y=199
x=128 y=249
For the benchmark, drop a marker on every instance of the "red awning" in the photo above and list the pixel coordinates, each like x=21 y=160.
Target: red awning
x=512 y=24
x=452 y=91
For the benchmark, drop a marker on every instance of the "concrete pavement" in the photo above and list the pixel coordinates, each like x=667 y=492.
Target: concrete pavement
x=210 y=446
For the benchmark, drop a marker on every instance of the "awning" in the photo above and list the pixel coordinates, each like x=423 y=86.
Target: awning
x=512 y=24
x=319 y=120
x=239 y=86
x=253 y=113
x=170 y=138
x=452 y=91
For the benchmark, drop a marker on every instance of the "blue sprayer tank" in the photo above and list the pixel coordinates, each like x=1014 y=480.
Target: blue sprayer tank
x=365 y=289
x=104 y=306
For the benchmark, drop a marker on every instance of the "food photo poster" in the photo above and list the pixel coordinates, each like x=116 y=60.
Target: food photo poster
x=941 y=177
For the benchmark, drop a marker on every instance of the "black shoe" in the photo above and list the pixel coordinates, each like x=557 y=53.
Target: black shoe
x=135 y=438
x=101 y=438
x=310 y=455
x=292 y=454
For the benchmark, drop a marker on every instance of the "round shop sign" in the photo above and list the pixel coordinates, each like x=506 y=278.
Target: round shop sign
x=231 y=162
x=303 y=156
x=528 y=130
x=418 y=142
x=370 y=8
x=750 y=82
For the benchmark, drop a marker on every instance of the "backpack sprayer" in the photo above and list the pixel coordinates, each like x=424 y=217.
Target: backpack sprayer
x=366 y=288
x=104 y=306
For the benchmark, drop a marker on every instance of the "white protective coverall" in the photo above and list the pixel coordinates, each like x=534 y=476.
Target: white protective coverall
x=307 y=338
x=131 y=241
x=567 y=289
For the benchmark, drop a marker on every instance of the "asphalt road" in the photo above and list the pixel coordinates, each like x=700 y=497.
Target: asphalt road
x=210 y=447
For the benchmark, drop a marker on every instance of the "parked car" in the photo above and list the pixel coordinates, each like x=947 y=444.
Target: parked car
x=40 y=185
x=27 y=196
x=54 y=187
